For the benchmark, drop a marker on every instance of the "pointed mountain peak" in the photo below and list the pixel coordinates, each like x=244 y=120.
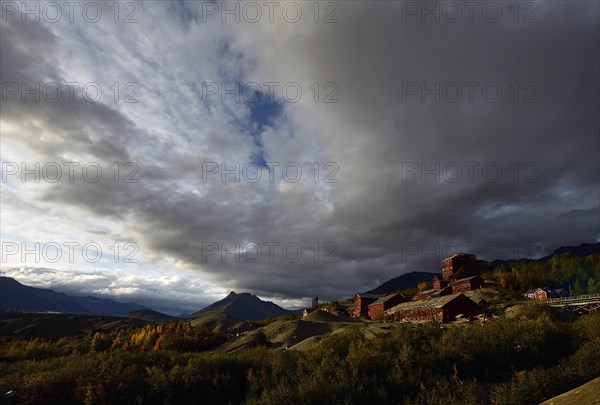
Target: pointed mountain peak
x=244 y=306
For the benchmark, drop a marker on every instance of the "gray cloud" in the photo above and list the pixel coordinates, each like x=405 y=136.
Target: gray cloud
x=376 y=213
x=174 y=295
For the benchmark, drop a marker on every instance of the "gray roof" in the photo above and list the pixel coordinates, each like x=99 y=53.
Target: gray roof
x=385 y=298
x=475 y=296
x=465 y=279
x=539 y=288
x=367 y=295
x=466 y=255
x=427 y=303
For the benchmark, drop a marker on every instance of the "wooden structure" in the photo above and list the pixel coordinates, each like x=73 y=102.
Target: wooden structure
x=581 y=304
x=442 y=309
x=462 y=265
x=544 y=293
x=460 y=272
x=340 y=308
x=466 y=284
x=561 y=293
x=361 y=304
x=385 y=302
x=439 y=283
x=315 y=303
x=478 y=298
x=421 y=295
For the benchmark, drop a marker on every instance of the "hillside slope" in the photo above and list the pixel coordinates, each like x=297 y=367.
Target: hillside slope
x=150 y=316
x=408 y=280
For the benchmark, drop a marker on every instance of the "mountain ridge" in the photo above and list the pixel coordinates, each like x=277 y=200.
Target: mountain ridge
x=402 y=282
x=244 y=307
x=15 y=295
x=150 y=315
x=582 y=249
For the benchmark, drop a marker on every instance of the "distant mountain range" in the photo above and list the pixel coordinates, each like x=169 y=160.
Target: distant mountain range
x=244 y=307
x=408 y=280
x=14 y=295
x=233 y=308
x=151 y=315
x=581 y=250
x=221 y=314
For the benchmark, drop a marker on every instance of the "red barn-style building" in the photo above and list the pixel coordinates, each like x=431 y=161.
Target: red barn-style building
x=545 y=293
x=442 y=309
x=539 y=294
x=466 y=284
x=385 y=302
x=361 y=304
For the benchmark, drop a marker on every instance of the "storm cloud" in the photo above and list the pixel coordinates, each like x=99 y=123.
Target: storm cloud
x=417 y=133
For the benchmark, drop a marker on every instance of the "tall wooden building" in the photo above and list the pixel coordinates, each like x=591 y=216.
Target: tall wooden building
x=361 y=304
x=462 y=265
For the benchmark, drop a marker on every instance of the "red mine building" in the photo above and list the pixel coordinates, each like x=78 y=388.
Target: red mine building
x=385 y=302
x=361 y=304
x=442 y=309
x=439 y=283
x=460 y=272
x=466 y=284
x=462 y=265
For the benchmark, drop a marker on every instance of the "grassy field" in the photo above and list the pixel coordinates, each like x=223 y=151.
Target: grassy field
x=318 y=359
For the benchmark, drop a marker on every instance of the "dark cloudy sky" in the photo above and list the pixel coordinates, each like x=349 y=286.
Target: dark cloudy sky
x=420 y=129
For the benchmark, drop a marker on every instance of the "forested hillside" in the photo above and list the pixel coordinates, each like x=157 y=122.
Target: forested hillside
x=581 y=273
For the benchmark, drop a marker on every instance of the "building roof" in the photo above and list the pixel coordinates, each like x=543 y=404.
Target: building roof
x=465 y=255
x=431 y=293
x=546 y=289
x=374 y=296
x=429 y=303
x=465 y=279
x=384 y=298
x=475 y=296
